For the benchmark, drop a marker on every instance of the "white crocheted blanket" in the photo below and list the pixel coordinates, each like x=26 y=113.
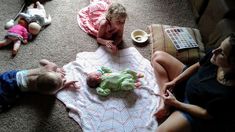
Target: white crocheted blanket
x=131 y=111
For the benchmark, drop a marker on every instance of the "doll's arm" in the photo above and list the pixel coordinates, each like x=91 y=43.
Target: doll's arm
x=47 y=20
x=25 y=36
x=39 y=5
x=24 y=15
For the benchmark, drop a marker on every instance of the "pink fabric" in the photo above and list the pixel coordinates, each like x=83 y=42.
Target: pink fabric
x=89 y=17
x=20 y=30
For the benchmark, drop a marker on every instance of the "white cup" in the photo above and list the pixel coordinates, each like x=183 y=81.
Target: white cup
x=139 y=36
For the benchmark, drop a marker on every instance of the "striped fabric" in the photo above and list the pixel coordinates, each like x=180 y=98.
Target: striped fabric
x=160 y=41
x=89 y=17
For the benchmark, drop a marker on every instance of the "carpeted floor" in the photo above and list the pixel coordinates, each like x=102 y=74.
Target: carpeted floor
x=60 y=42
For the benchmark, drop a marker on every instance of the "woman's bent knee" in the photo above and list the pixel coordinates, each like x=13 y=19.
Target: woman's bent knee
x=159 y=56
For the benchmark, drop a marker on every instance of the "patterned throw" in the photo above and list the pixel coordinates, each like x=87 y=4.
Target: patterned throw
x=123 y=111
x=89 y=17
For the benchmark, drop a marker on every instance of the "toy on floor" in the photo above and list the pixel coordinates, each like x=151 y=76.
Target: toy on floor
x=105 y=81
x=16 y=34
x=36 y=18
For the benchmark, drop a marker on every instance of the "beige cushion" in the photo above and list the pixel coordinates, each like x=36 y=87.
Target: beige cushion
x=160 y=41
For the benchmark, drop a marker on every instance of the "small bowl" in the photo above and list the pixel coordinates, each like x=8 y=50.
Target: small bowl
x=139 y=36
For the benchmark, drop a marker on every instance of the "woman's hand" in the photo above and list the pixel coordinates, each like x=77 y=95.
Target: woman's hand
x=169 y=86
x=169 y=98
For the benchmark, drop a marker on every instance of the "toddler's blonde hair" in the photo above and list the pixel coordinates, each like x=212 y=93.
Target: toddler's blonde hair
x=116 y=11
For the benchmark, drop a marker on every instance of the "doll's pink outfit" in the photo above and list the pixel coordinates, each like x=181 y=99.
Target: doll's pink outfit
x=89 y=17
x=18 y=31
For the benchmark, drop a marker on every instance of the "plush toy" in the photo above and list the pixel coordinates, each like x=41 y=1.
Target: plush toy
x=36 y=18
x=16 y=34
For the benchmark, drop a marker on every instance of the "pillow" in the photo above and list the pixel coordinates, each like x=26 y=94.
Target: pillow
x=159 y=40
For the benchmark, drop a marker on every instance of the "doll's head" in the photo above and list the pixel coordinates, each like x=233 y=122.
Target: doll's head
x=34 y=28
x=49 y=83
x=94 y=79
x=116 y=12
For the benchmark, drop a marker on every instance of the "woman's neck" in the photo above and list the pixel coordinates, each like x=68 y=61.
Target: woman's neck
x=221 y=73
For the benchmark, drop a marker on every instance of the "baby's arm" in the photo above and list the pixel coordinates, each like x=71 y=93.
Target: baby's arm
x=106 y=70
x=47 y=20
x=128 y=84
x=103 y=91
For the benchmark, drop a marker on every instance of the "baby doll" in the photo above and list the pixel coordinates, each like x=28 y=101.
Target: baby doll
x=48 y=79
x=17 y=33
x=105 y=81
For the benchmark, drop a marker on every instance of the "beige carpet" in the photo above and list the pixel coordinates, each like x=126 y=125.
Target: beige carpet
x=61 y=41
